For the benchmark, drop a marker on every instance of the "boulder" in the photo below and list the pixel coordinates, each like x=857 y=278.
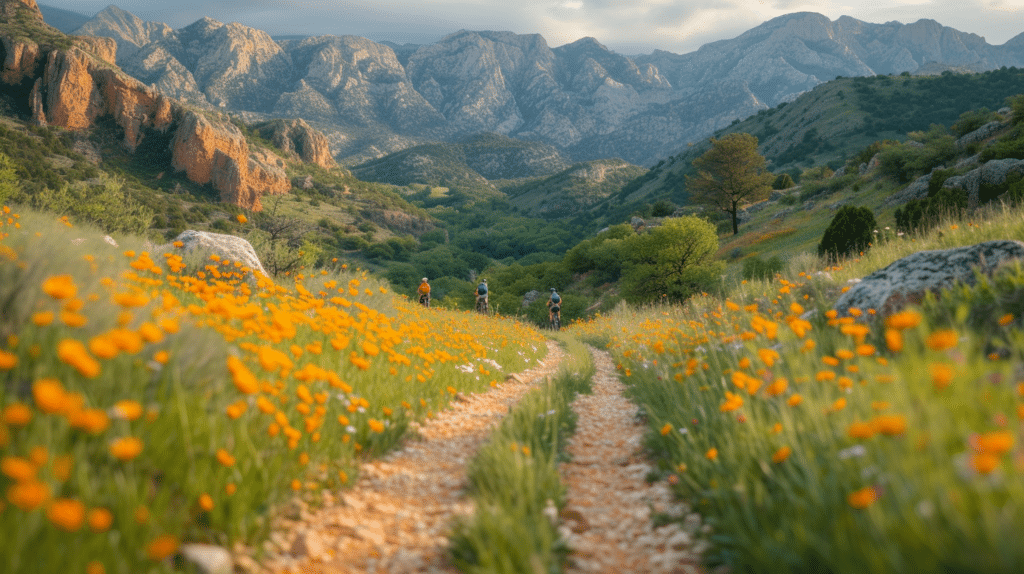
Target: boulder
x=979 y=135
x=907 y=280
x=209 y=559
x=918 y=189
x=228 y=247
x=529 y=297
x=991 y=173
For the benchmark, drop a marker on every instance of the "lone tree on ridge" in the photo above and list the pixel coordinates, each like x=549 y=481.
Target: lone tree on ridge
x=729 y=173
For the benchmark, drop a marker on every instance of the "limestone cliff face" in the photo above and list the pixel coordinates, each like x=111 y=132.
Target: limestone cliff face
x=218 y=153
x=73 y=87
x=299 y=138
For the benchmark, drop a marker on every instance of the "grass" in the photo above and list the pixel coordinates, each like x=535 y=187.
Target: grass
x=515 y=482
x=819 y=444
x=148 y=400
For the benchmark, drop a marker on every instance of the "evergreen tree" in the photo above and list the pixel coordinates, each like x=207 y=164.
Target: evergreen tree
x=729 y=173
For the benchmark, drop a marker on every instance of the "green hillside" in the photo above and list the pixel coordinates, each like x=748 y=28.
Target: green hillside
x=572 y=190
x=833 y=122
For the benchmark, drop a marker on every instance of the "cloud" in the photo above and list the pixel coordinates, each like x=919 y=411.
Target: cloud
x=625 y=26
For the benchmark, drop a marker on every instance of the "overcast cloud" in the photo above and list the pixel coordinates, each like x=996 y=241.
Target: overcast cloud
x=627 y=27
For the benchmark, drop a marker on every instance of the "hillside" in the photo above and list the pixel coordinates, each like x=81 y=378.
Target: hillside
x=66 y=21
x=573 y=191
x=836 y=120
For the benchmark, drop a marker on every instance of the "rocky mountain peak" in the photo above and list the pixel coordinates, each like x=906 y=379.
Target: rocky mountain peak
x=9 y=8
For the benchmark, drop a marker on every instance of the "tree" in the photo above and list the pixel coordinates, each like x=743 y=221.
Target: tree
x=730 y=173
x=673 y=261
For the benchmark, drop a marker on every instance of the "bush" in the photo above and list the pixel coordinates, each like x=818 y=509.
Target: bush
x=783 y=181
x=971 y=120
x=757 y=268
x=919 y=214
x=849 y=232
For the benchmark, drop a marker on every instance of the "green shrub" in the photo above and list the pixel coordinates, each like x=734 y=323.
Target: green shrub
x=972 y=120
x=850 y=231
x=757 y=268
x=783 y=181
x=919 y=214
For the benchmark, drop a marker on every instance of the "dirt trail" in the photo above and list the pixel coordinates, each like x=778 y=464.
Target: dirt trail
x=607 y=520
x=396 y=517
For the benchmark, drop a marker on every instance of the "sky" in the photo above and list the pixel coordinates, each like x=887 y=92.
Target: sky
x=627 y=27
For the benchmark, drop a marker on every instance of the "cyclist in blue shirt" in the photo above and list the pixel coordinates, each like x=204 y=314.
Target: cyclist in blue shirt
x=554 y=306
x=481 y=295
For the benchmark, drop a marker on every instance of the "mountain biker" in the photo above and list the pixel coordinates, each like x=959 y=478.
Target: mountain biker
x=554 y=306
x=424 y=291
x=481 y=294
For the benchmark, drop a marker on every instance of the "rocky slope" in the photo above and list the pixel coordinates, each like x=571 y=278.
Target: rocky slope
x=582 y=98
x=71 y=82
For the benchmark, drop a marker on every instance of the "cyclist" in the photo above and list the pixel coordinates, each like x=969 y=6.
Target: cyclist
x=554 y=307
x=481 y=296
x=424 y=291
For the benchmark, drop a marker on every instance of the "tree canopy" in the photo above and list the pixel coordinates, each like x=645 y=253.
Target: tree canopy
x=729 y=173
x=672 y=261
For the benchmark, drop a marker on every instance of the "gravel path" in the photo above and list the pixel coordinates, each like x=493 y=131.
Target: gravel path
x=607 y=520
x=396 y=517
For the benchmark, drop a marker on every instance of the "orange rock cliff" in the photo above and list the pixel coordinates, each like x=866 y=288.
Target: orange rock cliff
x=72 y=87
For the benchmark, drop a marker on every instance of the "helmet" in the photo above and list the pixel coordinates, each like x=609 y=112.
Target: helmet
x=424 y=280
x=552 y=289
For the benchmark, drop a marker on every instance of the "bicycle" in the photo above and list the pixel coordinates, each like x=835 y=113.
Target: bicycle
x=555 y=319
x=425 y=300
x=481 y=305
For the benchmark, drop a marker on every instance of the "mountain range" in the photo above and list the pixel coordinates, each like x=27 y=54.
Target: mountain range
x=584 y=100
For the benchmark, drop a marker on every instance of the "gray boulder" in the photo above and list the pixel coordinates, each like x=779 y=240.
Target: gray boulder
x=227 y=247
x=979 y=135
x=918 y=189
x=992 y=173
x=907 y=280
x=529 y=297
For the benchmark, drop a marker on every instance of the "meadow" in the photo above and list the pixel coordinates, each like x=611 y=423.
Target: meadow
x=151 y=398
x=814 y=441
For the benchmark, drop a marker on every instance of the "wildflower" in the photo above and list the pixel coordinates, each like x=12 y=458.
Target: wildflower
x=92 y=421
x=862 y=498
x=225 y=458
x=860 y=430
x=825 y=375
x=17 y=414
x=66 y=513
x=230 y=488
x=162 y=547
x=28 y=495
x=942 y=340
x=768 y=356
x=17 y=468
x=42 y=318
x=838 y=405
x=99 y=519
x=8 y=360
x=242 y=219
x=375 y=425
x=60 y=287
x=794 y=400
x=712 y=454
x=243 y=378
x=894 y=340
x=782 y=454
x=984 y=462
x=866 y=350
x=732 y=402
x=49 y=396
x=777 y=387
x=206 y=502
x=73 y=352
x=830 y=361
x=903 y=320
x=942 y=375
x=996 y=442
x=666 y=429
x=890 y=424
x=127 y=409
x=126 y=448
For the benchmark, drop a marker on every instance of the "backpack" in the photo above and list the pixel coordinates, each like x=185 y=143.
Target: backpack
x=556 y=298
x=481 y=288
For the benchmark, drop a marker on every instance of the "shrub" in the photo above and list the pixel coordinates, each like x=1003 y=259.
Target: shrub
x=849 y=232
x=971 y=120
x=919 y=214
x=757 y=268
x=783 y=181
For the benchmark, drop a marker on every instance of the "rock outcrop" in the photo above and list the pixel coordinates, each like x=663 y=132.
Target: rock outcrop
x=907 y=280
x=299 y=138
x=73 y=87
x=992 y=173
x=218 y=153
x=204 y=244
